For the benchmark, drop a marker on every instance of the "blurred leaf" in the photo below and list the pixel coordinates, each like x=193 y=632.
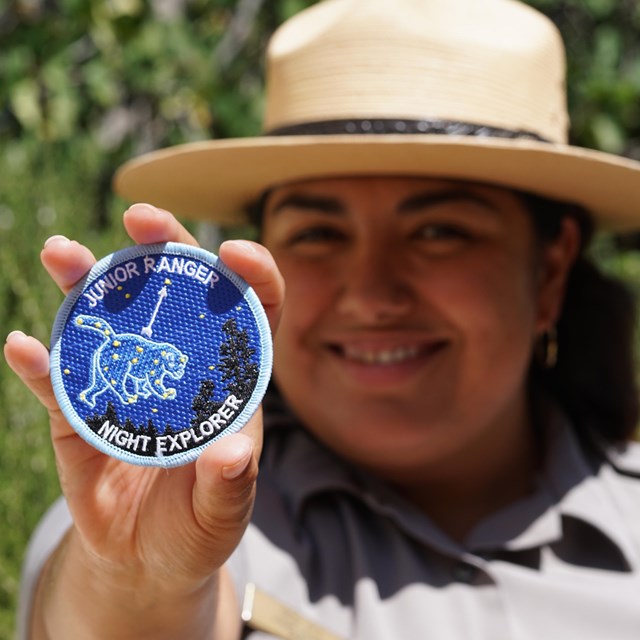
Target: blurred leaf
x=118 y=8
x=26 y=104
x=608 y=133
x=61 y=101
x=600 y=8
x=102 y=83
x=607 y=50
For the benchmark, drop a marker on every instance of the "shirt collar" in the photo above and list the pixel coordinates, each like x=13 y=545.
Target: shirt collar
x=585 y=493
x=313 y=470
x=568 y=486
x=310 y=467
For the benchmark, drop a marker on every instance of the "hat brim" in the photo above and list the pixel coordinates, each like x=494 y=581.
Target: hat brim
x=215 y=180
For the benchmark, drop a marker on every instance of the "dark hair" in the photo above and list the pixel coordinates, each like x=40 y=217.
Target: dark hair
x=594 y=377
x=255 y=209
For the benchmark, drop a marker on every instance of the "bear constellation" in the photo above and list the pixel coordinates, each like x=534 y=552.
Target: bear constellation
x=130 y=365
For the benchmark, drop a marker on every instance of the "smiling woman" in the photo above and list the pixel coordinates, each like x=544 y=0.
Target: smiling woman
x=441 y=455
x=445 y=275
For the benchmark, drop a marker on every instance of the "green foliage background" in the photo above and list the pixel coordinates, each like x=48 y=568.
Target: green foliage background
x=86 y=85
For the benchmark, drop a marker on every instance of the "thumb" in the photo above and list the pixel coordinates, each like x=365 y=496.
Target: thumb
x=224 y=492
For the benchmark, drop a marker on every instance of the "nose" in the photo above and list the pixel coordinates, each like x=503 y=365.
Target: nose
x=376 y=287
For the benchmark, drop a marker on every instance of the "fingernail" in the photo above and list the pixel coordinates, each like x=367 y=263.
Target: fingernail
x=144 y=207
x=56 y=239
x=235 y=470
x=15 y=334
x=247 y=247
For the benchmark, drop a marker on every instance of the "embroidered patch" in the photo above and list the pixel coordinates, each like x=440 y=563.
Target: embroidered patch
x=158 y=352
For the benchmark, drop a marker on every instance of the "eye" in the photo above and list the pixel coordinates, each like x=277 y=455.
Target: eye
x=317 y=235
x=315 y=240
x=443 y=232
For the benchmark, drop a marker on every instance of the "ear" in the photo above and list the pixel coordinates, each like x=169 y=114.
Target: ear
x=556 y=259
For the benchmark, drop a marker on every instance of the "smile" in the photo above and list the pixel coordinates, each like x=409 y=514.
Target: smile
x=380 y=365
x=387 y=356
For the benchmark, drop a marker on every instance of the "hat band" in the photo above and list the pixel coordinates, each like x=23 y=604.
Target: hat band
x=392 y=126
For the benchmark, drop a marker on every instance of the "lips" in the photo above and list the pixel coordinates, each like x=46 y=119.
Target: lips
x=377 y=364
x=381 y=356
x=386 y=352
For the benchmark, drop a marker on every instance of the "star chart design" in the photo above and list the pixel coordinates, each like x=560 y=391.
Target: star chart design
x=127 y=360
x=158 y=353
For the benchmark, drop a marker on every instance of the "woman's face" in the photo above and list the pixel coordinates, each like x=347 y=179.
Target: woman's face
x=411 y=309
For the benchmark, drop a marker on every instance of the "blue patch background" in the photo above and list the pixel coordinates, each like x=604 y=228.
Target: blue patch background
x=178 y=322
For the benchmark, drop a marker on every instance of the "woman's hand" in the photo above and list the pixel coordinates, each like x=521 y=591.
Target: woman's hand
x=151 y=533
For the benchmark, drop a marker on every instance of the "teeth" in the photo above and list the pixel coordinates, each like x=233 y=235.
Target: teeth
x=386 y=356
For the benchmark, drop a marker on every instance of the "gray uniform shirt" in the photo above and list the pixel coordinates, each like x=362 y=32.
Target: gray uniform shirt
x=345 y=551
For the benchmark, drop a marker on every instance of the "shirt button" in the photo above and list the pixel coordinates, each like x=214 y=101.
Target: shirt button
x=463 y=572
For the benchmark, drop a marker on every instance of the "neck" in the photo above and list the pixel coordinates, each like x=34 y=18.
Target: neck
x=457 y=505
x=459 y=493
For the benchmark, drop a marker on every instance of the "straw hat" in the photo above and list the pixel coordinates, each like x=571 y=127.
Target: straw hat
x=463 y=89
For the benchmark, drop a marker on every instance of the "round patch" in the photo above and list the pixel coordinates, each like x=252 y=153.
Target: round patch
x=158 y=352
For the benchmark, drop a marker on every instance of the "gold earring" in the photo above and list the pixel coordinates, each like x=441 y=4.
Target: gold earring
x=549 y=348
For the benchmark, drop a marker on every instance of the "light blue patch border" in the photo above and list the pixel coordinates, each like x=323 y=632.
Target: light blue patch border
x=98 y=270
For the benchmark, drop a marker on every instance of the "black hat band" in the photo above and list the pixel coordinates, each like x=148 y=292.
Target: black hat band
x=395 y=126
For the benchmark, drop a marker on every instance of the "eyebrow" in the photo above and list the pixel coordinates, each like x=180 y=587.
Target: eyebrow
x=412 y=204
x=310 y=203
x=429 y=199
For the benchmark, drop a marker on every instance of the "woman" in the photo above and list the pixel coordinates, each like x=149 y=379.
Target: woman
x=428 y=467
